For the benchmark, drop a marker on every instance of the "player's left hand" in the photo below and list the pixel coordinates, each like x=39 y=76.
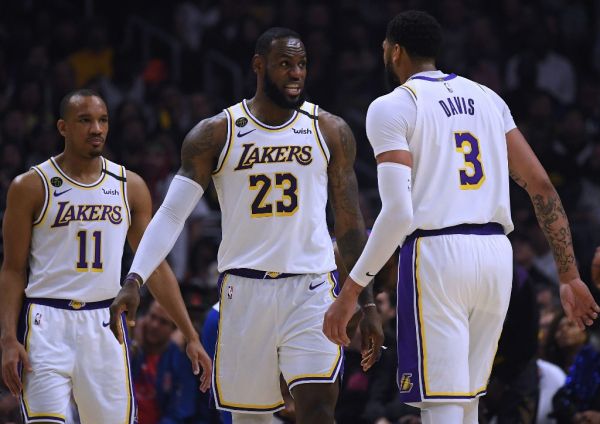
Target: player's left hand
x=372 y=337
x=339 y=313
x=578 y=303
x=128 y=300
x=200 y=359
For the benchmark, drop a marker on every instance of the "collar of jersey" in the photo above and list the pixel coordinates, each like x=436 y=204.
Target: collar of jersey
x=77 y=183
x=254 y=119
x=428 y=76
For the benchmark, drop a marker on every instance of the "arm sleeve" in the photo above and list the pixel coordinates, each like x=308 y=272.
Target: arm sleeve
x=390 y=121
x=166 y=225
x=392 y=223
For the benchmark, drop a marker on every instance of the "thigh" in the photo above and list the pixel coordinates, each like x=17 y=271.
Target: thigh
x=101 y=379
x=489 y=307
x=47 y=337
x=246 y=371
x=305 y=354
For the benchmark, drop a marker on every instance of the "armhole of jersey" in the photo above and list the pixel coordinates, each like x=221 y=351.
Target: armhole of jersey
x=225 y=152
x=411 y=91
x=124 y=192
x=47 y=194
x=318 y=135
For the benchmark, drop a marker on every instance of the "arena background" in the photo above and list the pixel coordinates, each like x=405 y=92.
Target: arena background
x=164 y=66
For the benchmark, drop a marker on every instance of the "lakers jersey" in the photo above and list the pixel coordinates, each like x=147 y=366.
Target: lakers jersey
x=460 y=161
x=77 y=240
x=272 y=187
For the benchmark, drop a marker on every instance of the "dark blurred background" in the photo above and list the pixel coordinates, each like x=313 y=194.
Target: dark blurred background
x=164 y=66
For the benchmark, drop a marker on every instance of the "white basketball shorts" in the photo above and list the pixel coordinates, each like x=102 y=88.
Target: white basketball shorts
x=73 y=353
x=453 y=292
x=268 y=326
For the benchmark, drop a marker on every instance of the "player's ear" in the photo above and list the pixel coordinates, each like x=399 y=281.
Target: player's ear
x=61 y=126
x=258 y=63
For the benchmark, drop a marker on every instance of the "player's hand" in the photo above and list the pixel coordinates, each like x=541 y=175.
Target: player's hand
x=587 y=417
x=596 y=268
x=128 y=300
x=339 y=313
x=200 y=359
x=371 y=337
x=14 y=353
x=578 y=303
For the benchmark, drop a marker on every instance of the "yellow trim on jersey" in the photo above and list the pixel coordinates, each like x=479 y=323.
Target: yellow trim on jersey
x=410 y=90
x=229 y=142
x=78 y=184
x=266 y=127
x=328 y=374
x=127 y=379
x=124 y=194
x=47 y=197
x=318 y=133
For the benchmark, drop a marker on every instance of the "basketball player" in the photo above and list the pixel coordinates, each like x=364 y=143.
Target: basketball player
x=273 y=159
x=445 y=147
x=67 y=220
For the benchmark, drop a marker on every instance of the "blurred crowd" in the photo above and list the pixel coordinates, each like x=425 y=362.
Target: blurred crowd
x=162 y=67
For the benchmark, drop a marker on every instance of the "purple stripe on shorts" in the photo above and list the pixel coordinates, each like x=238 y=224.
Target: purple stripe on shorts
x=409 y=378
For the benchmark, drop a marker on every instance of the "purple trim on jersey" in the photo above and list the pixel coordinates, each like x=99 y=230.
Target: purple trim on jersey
x=435 y=79
x=478 y=229
x=329 y=378
x=407 y=323
x=70 y=305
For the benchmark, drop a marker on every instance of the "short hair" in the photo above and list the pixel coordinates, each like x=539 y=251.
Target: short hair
x=84 y=92
x=263 y=44
x=418 y=32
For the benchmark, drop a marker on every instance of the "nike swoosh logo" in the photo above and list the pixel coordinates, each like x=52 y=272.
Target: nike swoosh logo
x=241 y=134
x=370 y=275
x=311 y=287
x=60 y=193
x=105 y=324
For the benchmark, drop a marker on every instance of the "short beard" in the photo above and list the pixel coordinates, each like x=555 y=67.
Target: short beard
x=391 y=79
x=277 y=97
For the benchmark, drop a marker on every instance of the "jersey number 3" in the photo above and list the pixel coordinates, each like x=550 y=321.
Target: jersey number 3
x=471 y=176
x=288 y=204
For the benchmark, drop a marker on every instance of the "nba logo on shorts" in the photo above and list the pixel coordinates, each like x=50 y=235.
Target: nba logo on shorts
x=229 y=292
x=405 y=383
x=37 y=319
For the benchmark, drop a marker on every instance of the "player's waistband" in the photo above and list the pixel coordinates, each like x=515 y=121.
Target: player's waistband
x=259 y=275
x=73 y=305
x=478 y=229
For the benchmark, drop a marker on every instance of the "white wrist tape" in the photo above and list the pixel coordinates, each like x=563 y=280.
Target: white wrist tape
x=166 y=225
x=392 y=223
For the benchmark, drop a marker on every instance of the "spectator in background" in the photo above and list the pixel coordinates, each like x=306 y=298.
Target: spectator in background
x=95 y=58
x=165 y=387
x=565 y=340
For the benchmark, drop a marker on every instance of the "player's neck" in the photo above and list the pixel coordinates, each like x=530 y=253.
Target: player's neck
x=267 y=112
x=83 y=170
x=421 y=67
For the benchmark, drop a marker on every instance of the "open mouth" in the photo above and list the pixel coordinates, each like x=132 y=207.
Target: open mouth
x=292 y=90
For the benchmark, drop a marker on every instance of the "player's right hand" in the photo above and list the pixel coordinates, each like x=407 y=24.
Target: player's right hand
x=128 y=300
x=578 y=303
x=14 y=352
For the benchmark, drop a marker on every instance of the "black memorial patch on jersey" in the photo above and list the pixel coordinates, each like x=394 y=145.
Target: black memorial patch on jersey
x=241 y=122
x=56 y=181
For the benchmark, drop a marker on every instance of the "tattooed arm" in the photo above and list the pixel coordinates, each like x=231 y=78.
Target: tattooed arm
x=351 y=237
x=526 y=171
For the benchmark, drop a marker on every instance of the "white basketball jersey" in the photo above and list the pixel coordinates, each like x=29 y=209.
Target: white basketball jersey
x=77 y=240
x=460 y=162
x=272 y=187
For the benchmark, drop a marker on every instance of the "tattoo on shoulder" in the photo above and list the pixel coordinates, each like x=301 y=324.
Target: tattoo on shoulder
x=203 y=141
x=554 y=223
